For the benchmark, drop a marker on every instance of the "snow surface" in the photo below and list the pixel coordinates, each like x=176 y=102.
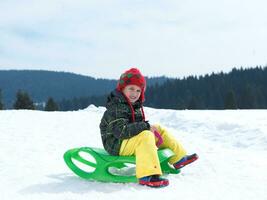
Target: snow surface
x=232 y=146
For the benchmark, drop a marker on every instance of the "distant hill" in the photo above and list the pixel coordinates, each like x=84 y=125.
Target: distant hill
x=238 y=89
x=60 y=85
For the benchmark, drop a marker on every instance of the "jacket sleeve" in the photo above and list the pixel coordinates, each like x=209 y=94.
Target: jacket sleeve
x=120 y=126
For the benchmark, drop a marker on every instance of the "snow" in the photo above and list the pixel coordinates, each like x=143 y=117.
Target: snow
x=232 y=146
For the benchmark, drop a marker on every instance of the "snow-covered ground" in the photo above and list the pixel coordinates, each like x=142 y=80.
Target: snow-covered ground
x=232 y=146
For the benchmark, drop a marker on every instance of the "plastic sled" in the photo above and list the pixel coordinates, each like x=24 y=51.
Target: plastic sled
x=100 y=163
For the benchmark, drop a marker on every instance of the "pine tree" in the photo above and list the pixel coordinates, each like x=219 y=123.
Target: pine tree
x=23 y=101
x=192 y=104
x=247 y=99
x=1 y=103
x=230 y=100
x=51 y=105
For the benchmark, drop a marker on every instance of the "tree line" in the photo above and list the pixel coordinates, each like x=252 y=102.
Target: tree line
x=24 y=101
x=59 y=85
x=238 y=89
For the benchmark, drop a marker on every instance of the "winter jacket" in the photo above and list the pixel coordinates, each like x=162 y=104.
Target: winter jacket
x=116 y=123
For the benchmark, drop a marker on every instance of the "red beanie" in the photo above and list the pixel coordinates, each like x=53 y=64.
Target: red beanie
x=133 y=77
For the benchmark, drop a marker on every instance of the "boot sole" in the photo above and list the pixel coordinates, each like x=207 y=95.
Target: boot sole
x=157 y=184
x=187 y=162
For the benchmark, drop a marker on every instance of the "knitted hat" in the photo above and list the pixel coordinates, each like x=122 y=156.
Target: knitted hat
x=133 y=77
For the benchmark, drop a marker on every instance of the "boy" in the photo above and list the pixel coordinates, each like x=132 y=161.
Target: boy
x=125 y=132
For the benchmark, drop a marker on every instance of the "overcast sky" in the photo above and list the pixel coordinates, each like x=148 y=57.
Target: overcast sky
x=102 y=38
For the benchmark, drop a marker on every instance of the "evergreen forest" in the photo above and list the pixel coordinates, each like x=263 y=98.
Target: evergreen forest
x=238 y=89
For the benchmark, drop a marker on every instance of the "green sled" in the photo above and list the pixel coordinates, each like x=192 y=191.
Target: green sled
x=102 y=163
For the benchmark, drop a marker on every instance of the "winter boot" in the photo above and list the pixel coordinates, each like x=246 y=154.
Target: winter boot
x=185 y=161
x=154 y=181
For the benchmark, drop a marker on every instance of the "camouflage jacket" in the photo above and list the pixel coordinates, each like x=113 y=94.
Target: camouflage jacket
x=116 y=123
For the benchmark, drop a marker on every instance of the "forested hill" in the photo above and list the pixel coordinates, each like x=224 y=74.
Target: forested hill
x=238 y=89
x=41 y=84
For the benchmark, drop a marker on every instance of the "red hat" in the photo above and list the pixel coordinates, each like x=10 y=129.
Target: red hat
x=133 y=77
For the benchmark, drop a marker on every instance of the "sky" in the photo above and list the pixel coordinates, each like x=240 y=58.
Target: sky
x=103 y=38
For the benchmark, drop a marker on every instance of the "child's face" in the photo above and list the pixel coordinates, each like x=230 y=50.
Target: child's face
x=132 y=92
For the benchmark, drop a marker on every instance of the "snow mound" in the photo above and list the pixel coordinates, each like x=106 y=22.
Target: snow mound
x=232 y=146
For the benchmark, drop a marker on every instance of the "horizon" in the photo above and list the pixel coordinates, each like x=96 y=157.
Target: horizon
x=153 y=76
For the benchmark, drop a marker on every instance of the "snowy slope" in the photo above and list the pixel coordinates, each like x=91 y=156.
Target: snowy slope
x=232 y=146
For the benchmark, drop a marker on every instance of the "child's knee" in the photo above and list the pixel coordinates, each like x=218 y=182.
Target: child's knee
x=146 y=136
